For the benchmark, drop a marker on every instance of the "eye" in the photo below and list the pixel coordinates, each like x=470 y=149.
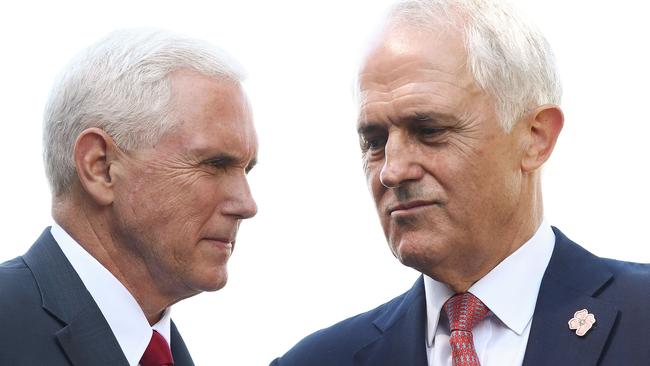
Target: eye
x=428 y=131
x=216 y=163
x=372 y=142
x=219 y=163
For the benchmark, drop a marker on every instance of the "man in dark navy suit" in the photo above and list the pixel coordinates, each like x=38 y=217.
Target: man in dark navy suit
x=459 y=110
x=148 y=138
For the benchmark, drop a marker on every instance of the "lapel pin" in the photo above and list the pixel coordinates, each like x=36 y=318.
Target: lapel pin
x=582 y=321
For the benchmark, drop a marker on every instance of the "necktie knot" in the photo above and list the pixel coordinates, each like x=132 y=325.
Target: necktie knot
x=465 y=311
x=157 y=352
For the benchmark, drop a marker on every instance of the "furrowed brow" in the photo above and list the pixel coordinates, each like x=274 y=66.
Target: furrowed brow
x=222 y=160
x=368 y=128
x=424 y=116
x=227 y=160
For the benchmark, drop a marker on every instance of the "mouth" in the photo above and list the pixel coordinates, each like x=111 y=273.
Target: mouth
x=409 y=207
x=223 y=243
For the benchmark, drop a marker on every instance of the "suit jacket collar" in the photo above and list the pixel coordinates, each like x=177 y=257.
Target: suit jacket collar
x=401 y=330
x=179 y=350
x=85 y=336
x=572 y=280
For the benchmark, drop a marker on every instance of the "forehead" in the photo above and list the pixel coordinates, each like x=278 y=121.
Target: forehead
x=409 y=68
x=442 y=45
x=210 y=113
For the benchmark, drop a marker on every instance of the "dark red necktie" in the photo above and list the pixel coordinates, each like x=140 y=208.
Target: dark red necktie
x=464 y=311
x=157 y=353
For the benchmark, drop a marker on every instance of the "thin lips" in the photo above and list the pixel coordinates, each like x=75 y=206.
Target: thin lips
x=224 y=240
x=229 y=244
x=408 y=205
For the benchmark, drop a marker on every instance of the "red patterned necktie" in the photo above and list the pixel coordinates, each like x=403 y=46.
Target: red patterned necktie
x=157 y=353
x=464 y=311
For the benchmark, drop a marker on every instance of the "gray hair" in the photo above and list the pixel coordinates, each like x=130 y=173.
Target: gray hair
x=508 y=57
x=121 y=85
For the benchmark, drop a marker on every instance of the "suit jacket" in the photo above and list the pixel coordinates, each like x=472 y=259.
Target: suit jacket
x=48 y=317
x=617 y=293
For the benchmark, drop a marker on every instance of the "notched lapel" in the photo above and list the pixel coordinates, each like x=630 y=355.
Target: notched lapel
x=551 y=342
x=179 y=349
x=86 y=337
x=87 y=341
x=402 y=334
x=572 y=281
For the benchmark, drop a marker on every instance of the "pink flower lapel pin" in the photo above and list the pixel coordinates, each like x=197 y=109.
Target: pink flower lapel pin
x=582 y=321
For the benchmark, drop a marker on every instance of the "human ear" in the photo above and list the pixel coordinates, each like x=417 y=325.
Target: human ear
x=543 y=129
x=92 y=157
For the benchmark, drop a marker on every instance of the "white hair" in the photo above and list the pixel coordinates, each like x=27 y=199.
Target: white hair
x=508 y=56
x=121 y=85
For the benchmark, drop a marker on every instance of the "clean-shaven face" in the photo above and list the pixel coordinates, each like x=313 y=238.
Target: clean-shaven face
x=186 y=196
x=443 y=173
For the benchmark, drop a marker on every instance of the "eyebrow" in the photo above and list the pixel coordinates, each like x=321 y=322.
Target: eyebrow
x=223 y=159
x=230 y=160
x=428 y=116
x=368 y=127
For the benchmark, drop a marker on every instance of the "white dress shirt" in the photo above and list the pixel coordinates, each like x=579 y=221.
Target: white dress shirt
x=509 y=291
x=121 y=310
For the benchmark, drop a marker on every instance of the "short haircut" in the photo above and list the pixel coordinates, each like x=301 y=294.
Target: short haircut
x=121 y=84
x=508 y=56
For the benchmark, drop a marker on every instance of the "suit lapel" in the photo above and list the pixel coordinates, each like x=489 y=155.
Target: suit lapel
x=572 y=280
x=401 y=336
x=85 y=337
x=179 y=350
x=86 y=341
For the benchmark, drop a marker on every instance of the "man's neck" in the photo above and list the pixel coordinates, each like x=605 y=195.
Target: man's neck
x=500 y=243
x=87 y=226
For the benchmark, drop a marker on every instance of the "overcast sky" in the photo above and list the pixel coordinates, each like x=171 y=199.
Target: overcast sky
x=315 y=253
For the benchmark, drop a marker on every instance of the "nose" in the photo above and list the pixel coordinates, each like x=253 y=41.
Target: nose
x=400 y=162
x=242 y=205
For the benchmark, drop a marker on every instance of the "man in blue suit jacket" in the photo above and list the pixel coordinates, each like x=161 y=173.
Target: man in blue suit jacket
x=148 y=139
x=50 y=318
x=617 y=292
x=459 y=110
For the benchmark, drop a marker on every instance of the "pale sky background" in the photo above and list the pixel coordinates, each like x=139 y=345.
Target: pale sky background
x=315 y=253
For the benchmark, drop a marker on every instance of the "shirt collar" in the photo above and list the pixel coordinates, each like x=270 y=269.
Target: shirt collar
x=122 y=312
x=509 y=290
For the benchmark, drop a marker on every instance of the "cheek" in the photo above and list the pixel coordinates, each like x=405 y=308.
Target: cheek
x=171 y=204
x=153 y=200
x=480 y=187
x=141 y=200
x=372 y=171
x=378 y=191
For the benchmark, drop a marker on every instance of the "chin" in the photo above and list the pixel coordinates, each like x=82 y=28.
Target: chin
x=214 y=286
x=420 y=255
x=216 y=280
